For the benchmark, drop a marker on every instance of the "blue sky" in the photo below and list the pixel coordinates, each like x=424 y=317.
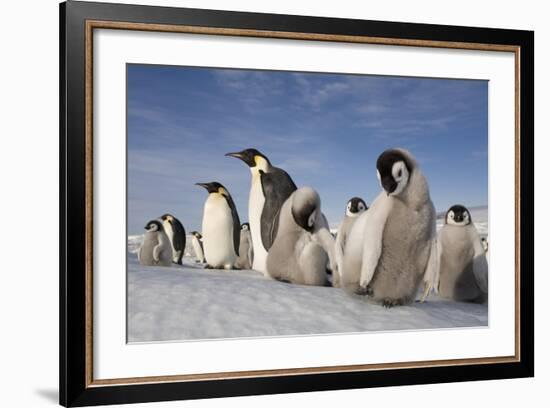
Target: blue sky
x=325 y=130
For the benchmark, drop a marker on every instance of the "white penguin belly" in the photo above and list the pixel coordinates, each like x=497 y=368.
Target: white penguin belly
x=217 y=229
x=197 y=248
x=170 y=233
x=255 y=206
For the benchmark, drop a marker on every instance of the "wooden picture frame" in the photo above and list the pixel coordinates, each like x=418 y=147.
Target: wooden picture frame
x=78 y=20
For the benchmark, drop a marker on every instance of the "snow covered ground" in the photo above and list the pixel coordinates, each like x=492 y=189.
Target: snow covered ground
x=188 y=302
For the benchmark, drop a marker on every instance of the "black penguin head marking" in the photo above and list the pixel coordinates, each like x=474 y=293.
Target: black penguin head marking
x=196 y=234
x=356 y=206
x=167 y=217
x=458 y=215
x=245 y=226
x=306 y=205
x=251 y=157
x=393 y=171
x=214 y=187
x=153 y=226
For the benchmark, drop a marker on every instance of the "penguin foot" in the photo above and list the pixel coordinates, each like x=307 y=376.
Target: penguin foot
x=208 y=266
x=389 y=303
x=364 y=291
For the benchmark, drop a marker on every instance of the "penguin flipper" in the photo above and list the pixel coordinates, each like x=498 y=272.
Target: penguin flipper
x=373 y=235
x=480 y=266
x=277 y=186
x=431 y=275
x=236 y=225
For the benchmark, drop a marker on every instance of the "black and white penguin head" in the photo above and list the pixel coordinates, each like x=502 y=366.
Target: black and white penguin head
x=458 y=215
x=253 y=158
x=306 y=207
x=196 y=234
x=393 y=169
x=214 y=188
x=245 y=226
x=355 y=206
x=153 y=226
x=167 y=218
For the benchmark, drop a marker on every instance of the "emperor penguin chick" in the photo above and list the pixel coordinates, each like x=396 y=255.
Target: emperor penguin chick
x=196 y=241
x=392 y=246
x=303 y=245
x=463 y=269
x=156 y=249
x=221 y=228
x=246 y=250
x=355 y=207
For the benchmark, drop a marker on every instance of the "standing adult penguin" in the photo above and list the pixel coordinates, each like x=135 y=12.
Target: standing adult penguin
x=246 y=250
x=176 y=234
x=463 y=264
x=156 y=249
x=196 y=241
x=392 y=246
x=355 y=207
x=269 y=189
x=303 y=246
x=220 y=227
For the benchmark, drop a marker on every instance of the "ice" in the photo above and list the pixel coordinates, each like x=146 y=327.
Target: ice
x=189 y=302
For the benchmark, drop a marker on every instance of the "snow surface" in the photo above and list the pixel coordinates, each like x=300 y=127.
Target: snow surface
x=188 y=302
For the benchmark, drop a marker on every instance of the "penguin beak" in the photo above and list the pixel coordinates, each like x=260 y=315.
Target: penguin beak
x=205 y=186
x=238 y=155
x=389 y=185
x=246 y=156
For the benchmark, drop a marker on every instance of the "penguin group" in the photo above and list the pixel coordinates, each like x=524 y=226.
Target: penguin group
x=389 y=252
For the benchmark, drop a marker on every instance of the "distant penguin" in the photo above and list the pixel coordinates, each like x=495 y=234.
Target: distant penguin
x=269 y=189
x=463 y=269
x=156 y=249
x=304 y=245
x=196 y=241
x=355 y=207
x=485 y=244
x=176 y=234
x=246 y=250
x=220 y=227
x=393 y=245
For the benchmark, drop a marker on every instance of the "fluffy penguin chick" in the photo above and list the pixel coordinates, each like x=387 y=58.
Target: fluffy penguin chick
x=392 y=246
x=355 y=207
x=196 y=241
x=246 y=250
x=221 y=227
x=156 y=249
x=463 y=264
x=303 y=245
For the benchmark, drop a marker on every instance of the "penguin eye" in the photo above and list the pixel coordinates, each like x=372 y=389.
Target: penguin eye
x=452 y=215
x=400 y=173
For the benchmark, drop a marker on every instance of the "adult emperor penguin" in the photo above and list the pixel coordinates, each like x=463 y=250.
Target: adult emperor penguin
x=156 y=249
x=196 y=241
x=303 y=246
x=220 y=227
x=246 y=250
x=355 y=207
x=176 y=234
x=392 y=246
x=269 y=189
x=463 y=264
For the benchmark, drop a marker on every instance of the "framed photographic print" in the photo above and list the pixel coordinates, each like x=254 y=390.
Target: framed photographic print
x=255 y=203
